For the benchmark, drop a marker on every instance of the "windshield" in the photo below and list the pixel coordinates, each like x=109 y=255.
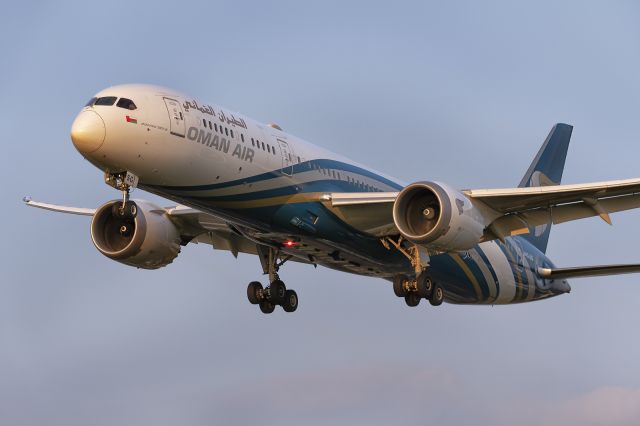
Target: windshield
x=126 y=104
x=107 y=100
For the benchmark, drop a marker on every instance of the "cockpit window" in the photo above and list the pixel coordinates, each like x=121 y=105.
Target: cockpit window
x=107 y=101
x=91 y=101
x=126 y=104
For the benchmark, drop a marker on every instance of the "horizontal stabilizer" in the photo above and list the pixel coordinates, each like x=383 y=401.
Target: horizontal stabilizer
x=587 y=271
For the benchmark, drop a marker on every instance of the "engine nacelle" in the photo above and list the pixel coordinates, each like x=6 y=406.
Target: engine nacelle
x=149 y=241
x=438 y=217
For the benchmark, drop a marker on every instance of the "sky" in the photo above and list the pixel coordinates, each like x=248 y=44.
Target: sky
x=461 y=92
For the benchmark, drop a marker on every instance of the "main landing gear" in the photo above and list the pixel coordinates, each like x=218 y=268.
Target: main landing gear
x=415 y=290
x=276 y=293
x=422 y=287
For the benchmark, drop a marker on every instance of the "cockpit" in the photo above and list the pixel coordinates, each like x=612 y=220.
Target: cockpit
x=110 y=101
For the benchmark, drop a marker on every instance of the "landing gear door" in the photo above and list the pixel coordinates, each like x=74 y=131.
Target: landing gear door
x=176 y=117
x=287 y=157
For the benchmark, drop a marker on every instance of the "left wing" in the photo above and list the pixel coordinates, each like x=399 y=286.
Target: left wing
x=371 y=212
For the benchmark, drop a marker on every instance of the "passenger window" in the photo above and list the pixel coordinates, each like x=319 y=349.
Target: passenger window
x=242 y=136
x=106 y=101
x=215 y=126
x=262 y=145
x=204 y=122
x=231 y=132
x=126 y=104
x=226 y=131
x=210 y=126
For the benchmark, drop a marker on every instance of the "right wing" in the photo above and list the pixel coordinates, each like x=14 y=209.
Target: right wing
x=193 y=225
x=61 y=209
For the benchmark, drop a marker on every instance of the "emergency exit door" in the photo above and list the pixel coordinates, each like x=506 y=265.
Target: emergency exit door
x=287 y=157
x=176 y=117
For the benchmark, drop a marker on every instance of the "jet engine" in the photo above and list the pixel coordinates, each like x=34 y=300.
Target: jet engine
x=438 y=217
x=149 y=240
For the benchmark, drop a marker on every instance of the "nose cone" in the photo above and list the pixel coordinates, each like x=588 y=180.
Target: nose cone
x=88 y=132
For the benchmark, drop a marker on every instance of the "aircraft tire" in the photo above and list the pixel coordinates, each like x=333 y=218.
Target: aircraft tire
x=277 y=293
x=437 y=296
x=290 y=303
x=267 y=307
x=129 y=211
x=425 y=286
x=398 y=285
x=253 y=290
x=412 y=299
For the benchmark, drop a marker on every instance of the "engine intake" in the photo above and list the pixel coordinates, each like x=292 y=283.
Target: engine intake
x=436 y=216
x=149 y=241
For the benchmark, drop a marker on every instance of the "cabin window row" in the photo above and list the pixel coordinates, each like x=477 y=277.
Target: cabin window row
x=336 y=175
x=220 y=129
x=264 y=146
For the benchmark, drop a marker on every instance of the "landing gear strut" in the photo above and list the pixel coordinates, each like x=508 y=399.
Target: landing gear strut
x=276 y=293
x=124 y=182
x=422 y=287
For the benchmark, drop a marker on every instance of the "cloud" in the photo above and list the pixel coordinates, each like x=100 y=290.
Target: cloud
x=611 y=406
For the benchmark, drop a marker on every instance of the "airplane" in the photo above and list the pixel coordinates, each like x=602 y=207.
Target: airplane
x=247 y=187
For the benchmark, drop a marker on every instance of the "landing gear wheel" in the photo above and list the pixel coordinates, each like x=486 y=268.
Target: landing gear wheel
x=398 y=285
x=437 y=296
x=290 y=303
x=267 y=307
x=424 y=286
x=277 y=292
x=254 y=292
x=127 y=211
x=412 y=299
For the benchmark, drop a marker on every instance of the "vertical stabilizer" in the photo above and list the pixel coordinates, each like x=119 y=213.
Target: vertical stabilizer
x=546 y=170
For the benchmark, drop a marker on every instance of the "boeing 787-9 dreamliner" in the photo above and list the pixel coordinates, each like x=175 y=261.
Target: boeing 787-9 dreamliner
x=247 y=187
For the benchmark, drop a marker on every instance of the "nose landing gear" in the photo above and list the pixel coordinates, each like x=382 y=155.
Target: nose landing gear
x=124 y=182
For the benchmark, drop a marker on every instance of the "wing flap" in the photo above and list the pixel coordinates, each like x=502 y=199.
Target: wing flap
x=369 y=212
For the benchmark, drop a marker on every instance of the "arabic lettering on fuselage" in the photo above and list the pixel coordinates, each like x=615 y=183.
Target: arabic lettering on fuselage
x=205 y=109
x=232 y=120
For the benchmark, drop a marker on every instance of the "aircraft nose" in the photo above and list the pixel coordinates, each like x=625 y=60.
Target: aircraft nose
x=88 y=132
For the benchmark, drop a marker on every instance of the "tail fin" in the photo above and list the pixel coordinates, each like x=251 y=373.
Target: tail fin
x=546 y=170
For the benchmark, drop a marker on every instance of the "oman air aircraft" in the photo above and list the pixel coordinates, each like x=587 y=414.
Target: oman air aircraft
x=247 y=187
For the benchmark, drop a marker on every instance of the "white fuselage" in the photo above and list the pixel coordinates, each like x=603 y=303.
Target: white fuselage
x=258 y=177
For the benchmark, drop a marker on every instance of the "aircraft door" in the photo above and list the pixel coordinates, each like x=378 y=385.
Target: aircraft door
x=176 y=117
x=287 y=157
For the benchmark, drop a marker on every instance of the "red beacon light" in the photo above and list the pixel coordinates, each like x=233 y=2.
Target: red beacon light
x=290 y=243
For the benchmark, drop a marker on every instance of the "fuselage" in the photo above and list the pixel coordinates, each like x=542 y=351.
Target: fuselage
x=265 y=183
